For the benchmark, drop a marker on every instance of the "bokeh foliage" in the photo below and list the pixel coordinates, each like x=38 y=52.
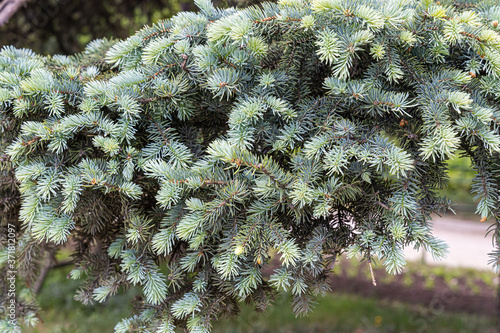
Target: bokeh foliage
x=65 y=26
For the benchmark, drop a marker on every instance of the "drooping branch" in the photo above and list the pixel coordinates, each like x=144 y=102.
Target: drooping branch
x=9 y=8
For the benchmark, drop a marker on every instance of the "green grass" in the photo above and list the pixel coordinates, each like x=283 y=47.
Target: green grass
x=417 y=270
x=451 y=274
x=334 y=313
x=348 y=313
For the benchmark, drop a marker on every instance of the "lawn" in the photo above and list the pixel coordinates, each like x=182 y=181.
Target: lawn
x=337 y=312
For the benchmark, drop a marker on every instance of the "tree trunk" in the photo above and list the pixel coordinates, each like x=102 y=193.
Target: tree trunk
x=9 y=8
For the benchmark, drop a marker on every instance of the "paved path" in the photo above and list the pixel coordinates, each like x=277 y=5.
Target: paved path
x=468 y=245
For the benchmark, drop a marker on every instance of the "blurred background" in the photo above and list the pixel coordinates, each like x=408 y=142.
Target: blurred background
x=456 y=295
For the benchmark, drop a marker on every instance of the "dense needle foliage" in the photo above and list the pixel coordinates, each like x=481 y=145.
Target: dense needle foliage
x=184 y=157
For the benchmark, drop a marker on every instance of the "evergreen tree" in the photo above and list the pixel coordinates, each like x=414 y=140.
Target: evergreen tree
x=182 y=158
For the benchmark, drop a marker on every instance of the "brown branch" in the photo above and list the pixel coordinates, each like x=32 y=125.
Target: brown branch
x=47 y=266
x=374 y=282
x=47 y=263
x=381 y=204
x=259 y=167
x=9 y=8
x=35 y=139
